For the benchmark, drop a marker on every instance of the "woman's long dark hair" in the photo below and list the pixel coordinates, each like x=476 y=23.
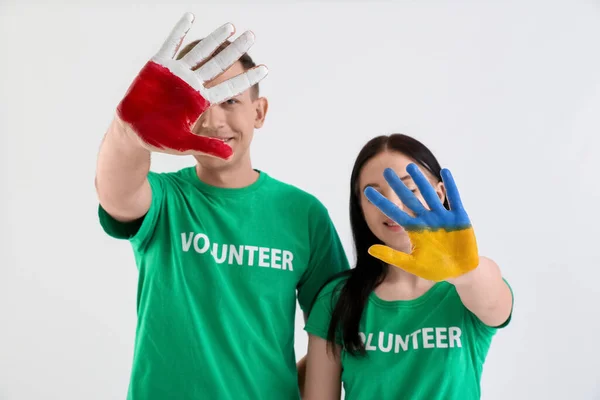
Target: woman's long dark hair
x=369 y=272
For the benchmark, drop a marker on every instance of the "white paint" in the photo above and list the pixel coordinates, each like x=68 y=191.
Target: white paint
x=204 y=49
x=214 y=65
x=222 y=61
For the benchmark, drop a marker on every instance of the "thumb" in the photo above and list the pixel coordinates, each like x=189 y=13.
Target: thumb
x=210 y=146
x=391 y=256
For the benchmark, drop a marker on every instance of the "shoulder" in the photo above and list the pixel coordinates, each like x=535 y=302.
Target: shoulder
x=295 y=196
x=175 y=178
x=289 y=189
x=332 y=288
x=183 y=173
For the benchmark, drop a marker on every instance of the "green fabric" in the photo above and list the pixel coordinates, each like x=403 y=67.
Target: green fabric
x=430 y=348
x=219 y=274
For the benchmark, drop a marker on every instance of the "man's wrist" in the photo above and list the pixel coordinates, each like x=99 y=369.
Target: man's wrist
x=125 y=137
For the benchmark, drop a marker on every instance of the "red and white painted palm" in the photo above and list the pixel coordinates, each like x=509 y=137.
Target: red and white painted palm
x=168 y=95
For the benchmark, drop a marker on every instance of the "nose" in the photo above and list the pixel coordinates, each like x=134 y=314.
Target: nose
x=393 y=197
x=212 y=119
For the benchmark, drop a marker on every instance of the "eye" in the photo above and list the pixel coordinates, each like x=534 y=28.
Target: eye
x=231 y=101
x=372 y=187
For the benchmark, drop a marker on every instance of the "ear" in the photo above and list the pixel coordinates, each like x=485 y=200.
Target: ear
x=262 y=106
x=440 y=189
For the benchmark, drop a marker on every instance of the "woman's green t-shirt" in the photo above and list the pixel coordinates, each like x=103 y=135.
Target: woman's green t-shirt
x=429 y=348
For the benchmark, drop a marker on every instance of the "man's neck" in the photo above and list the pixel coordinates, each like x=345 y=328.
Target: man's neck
x=233 y=178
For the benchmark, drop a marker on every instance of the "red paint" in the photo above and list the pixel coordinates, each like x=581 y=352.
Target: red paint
x=161 y=108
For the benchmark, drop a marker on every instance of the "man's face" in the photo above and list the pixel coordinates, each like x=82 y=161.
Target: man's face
x=233 y=121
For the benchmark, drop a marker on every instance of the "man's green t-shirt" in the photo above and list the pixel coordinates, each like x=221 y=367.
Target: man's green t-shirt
x=429 y=348
x=219 y=274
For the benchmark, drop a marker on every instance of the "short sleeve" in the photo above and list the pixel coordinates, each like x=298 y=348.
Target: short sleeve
x=319 y=318
x=327 y=256
x=137 y=232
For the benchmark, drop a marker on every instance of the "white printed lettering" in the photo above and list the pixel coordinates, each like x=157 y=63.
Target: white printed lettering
x=454 y=336
x=186 y=242
x=215 y=250
x=237 y=252
x=369 y=346
x=415 y=339
x=390 y=342
x=263 y=257
x=266 y=257
x=288 y=257
x=251 y=250
x=440 y=334
x=197 y=238
x=275 y=257
x=425 y=338
x=401 y=341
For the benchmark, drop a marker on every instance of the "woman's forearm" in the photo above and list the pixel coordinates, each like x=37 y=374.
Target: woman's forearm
x=485 y=293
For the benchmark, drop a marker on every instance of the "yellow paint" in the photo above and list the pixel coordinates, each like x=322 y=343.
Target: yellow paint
x=436 y=255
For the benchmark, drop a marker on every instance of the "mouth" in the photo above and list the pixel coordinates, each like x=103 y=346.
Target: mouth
x=392 y=226
x=222 y=139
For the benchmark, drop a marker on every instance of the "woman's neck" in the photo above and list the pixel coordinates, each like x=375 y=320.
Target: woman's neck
x=401 y=285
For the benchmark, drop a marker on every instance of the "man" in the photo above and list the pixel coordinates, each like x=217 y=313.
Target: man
x=223 y=250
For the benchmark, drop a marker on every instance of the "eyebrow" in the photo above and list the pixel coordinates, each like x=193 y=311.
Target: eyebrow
x=375 y=185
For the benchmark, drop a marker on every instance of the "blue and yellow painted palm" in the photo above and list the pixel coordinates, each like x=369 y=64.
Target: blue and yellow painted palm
x=443 y=241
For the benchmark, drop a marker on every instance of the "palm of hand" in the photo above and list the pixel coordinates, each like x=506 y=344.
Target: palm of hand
x=443 y=241
x=168 y=96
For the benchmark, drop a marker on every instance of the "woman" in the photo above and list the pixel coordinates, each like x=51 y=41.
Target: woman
x=415 y=318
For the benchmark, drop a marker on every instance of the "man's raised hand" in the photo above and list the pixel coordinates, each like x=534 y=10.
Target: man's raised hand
x=168 y=95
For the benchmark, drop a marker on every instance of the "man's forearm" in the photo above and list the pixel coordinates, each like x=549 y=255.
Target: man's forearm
x=122 y=167
x=485 y=293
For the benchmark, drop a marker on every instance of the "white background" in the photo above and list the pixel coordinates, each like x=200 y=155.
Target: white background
x=507 y=94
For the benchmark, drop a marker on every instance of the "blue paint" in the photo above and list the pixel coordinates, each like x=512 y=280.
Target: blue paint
x=437 y=217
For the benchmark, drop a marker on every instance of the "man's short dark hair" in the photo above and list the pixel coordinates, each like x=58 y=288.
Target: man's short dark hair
x=245 y=59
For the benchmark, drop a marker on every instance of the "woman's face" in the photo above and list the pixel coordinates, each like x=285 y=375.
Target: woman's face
x=382 y=227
